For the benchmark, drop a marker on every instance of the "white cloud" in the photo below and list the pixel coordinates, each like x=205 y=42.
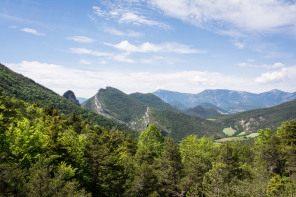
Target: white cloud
x=32 y=31
x=117 y=32
x=87 y=83
x=85 y=51
x=82 y=39
x=239 y=45
x=239 y=15
x=284 y=74
x=83 y=61
x=267 y=66
x=148 y=47
x=133 y=18
x=122 y=58
x=126 y=13
x=98 y=11
x=278 y=65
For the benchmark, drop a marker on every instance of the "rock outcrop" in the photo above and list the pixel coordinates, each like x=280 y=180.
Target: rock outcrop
x=71 y=97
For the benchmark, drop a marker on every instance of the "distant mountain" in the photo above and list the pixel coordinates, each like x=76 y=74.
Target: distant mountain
x=139 y=110
x=18 y=86
x=211 y=106
x=205 y=110
x=71 y=97
x=81 y=99
x=232 y=101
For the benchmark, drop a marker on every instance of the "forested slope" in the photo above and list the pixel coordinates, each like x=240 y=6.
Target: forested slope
x=18 y=86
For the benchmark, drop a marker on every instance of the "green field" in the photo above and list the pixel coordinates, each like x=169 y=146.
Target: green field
x=252 y=135
x=229 y=131
x=242 y=133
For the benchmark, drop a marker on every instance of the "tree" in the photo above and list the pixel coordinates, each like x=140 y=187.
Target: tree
x=169 y=169
x=46 y=181
x=197 y=156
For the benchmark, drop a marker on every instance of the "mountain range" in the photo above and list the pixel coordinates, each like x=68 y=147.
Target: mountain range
x=229 y=100
x=138 y=110
x=132 y=113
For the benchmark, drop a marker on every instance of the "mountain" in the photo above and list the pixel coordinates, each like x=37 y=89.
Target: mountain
x=202 y=112
x=251 y=121
x=20 y=87
x=71 y=97
x=81 y=99
x=211 y=106
x=230 y=100
x=137 y=111
x=114 y=104
x=153 y=101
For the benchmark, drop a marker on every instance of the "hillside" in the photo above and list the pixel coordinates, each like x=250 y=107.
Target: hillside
x=232 y=101
x=18 y=86
x=153 y=101
x=202 y=112
x=127 y=110
x=251 y=121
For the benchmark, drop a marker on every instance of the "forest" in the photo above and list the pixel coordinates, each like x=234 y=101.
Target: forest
x=47 y=153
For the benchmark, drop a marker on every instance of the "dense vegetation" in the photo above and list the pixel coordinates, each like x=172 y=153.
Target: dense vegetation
x=18 y=86
x=44 y=153
x=179 y=125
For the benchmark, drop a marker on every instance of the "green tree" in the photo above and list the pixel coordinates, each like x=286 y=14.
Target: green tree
x=46 y=181
x=169 y=169
x=197 y=156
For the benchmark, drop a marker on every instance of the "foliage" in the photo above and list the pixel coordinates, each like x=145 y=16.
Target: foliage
x=44 y=153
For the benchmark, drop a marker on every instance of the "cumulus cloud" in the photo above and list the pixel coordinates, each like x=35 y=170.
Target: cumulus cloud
x=86 y=83
x=148 y=47
x=240 y=15
x=284 y=74
x=32 y=31
x=82 y=39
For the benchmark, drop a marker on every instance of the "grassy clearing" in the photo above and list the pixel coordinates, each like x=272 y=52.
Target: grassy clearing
x=211 y=119
x=253 y=135
x=229 y=139
x=229 y=131
x=242 y=133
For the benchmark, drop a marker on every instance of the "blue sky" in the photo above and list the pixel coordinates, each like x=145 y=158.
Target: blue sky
x=145 y=45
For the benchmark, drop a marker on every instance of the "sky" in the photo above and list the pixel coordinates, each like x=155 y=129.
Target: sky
x=146 y=45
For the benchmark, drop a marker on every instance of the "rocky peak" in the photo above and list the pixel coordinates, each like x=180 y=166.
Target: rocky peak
x=71 y=97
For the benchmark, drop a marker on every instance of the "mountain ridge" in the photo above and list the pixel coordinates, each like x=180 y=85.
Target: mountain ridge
x=230 y=100
x=137 y=112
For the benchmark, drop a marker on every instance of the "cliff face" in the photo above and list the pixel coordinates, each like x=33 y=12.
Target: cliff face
x=71 y=97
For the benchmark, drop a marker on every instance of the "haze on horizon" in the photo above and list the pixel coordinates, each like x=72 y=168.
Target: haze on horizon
x=145 y=45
